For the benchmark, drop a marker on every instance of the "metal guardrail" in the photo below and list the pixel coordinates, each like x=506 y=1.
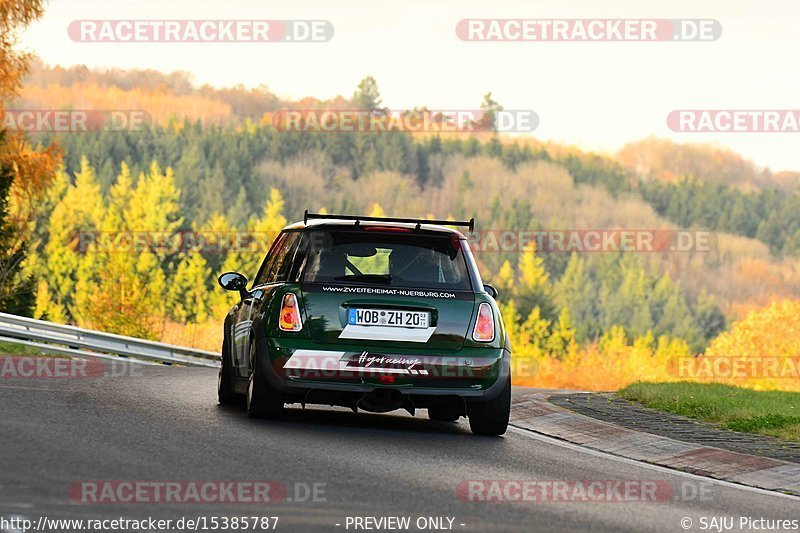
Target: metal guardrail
x=71 y=340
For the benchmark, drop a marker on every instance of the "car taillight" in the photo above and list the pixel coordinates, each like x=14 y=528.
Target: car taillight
x=289 y=319
x=484 y=325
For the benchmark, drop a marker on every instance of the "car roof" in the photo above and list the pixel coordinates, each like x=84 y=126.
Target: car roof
x=323 y=223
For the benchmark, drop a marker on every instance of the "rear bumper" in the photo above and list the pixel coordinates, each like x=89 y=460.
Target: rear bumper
x=473 y=375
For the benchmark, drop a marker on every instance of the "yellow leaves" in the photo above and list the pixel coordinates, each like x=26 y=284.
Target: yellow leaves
x=175 y=125
x=613 y=343
x=216 y=223
x=668 y=347
x=14 y=64
x=120 y=195
x=32 y=170
x=160 y=103
x=265 y=230
x=562 y=337
x=272 y=221
x=610 y=363
x=376 y=210
x=45 y=308
x=532 y=272
x=206 y=336
x=84 y=200
x=217 y=234
x=536 y=326
x=771 y=334
x=188 y=294
x=153 y=210
x=773 y=331
x=121 y=302
x=116 y=283
x=615 y=361
x=505 y=278
x=19 y=13
x=156 y=188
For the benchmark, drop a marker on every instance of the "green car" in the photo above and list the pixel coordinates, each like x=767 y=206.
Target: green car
x=369 y=313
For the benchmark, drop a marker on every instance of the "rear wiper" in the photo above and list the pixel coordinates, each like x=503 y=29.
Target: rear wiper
x=366 y=278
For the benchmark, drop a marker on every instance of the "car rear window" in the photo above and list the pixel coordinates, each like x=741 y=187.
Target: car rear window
x=386 y=258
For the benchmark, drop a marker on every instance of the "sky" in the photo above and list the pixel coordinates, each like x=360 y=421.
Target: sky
x=595 y=95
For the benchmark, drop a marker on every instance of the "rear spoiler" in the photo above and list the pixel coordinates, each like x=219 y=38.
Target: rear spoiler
x=418 y=221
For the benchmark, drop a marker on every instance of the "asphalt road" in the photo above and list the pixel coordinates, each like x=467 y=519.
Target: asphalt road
x=164 y=424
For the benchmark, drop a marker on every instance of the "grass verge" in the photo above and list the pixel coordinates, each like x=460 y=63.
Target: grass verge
x=12 y=348
x=775 y=413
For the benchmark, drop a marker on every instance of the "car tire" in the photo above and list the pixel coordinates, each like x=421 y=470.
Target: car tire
x=442 y=414
x=225 y=393
x=491 y=418
x=263 y=400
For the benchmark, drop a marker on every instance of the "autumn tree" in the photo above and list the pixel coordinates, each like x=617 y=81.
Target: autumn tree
x=533 y=288
x=490 y=107
x=562 y=336
x=14 y=292
x=188 y=293
x=263 y=232
x=504 y=281
x=108 y=260
x=24 y=171
x=121 y=302
x=66 y=267
x=367 y=95
x=576 y=292
x=120 y=297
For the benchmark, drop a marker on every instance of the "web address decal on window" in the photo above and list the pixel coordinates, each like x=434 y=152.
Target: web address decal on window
x=384 y=291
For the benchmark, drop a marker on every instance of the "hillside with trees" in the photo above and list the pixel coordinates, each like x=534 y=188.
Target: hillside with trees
x=210 y=166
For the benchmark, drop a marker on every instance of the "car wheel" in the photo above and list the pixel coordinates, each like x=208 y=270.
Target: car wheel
x=442 y=414
x=225 y=393
x=491 y=418
x=263 y=400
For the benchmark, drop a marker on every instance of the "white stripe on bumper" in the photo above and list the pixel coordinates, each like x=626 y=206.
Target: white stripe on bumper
x=332 y=361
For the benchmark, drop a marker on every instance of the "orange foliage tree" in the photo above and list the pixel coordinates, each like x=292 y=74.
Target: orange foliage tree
x=762 y=351
x=25 y=171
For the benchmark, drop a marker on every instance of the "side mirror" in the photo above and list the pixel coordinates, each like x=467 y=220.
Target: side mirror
x=491 y=290
x=233 y=281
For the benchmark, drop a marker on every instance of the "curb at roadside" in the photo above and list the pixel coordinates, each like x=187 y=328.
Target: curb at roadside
x=535 y=413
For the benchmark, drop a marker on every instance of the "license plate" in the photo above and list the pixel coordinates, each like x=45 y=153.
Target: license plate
x=388 y=317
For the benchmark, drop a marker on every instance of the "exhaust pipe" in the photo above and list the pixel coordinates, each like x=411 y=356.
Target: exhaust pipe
x=381 y=401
